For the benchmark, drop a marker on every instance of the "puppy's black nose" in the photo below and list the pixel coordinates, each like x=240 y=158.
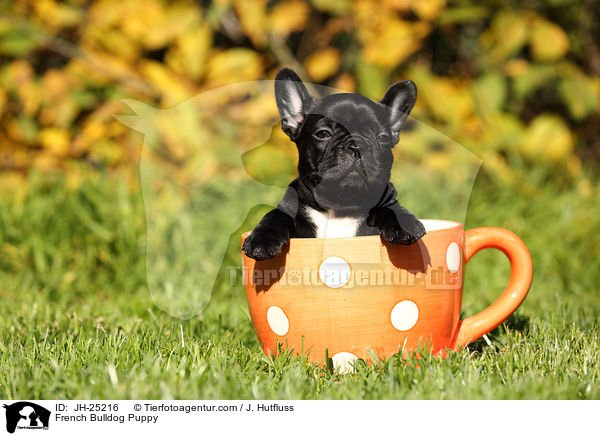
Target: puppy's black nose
x=354 y=149
x=354 y=142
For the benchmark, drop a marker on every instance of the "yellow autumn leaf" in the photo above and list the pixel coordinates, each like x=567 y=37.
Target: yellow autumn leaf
x=253 y=18
x=547 y=138
x=55 y=15
x=428 y=9
x=133 y=18
x=233 y=65
x=92 y=131
x=189 y=54
x=401 y=5
x=393 y=42
x=345 y=82
x=448 y=99
x=174 y=21
x=55 y=84
x=113 y=41
x=171 y=86
x=56 y=140
x=323 y=64
x=259 y=111
x=288 y=16
x=101 y=68
x=548 y=41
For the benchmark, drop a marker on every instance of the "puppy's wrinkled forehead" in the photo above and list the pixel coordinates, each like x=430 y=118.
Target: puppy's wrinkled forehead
x=355 y=112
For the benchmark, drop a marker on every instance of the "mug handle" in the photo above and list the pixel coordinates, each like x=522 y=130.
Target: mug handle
x=521 y=273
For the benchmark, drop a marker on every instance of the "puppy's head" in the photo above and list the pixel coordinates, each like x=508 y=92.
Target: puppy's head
x=344 y=141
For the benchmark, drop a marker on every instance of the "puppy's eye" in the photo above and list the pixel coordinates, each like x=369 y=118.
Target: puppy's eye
x=322 y=134
x=384 y=139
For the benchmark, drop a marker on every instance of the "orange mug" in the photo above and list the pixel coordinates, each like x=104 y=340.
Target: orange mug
x=359 y=297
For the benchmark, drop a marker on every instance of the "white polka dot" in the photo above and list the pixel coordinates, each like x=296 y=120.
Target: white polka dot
x=453 y=257
x=277 y=320
x=404 y=315
x=334 y=272
x=343 y=362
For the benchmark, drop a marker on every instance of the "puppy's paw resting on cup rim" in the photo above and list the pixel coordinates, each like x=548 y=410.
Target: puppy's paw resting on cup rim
x=263 y=244
x=397 y=227
x=396 y=234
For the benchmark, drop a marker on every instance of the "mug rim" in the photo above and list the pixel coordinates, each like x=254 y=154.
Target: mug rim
x=436 y=225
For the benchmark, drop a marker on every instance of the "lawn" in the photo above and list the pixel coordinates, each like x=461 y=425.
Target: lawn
x=77 y=320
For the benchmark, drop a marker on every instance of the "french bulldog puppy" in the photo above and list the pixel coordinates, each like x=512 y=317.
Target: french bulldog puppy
x=345 y=146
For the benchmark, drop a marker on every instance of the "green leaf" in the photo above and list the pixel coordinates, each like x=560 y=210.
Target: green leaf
x=334 y=7
x=28 y=129
x=269 y=165
x=16 y=42
x=533 y=78
x=507 y=35
x=462 y=14
x=371 y=80
x=490 y=93
x=581 y=95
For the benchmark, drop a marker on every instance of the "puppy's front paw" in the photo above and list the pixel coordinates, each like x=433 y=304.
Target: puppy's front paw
x=406 y=232
x=262 y=244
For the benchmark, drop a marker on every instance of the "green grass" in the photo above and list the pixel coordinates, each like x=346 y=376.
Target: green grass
x=77 y=320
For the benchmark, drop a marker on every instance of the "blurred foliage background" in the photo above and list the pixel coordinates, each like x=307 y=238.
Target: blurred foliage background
x=83 y=269
x=516 y=83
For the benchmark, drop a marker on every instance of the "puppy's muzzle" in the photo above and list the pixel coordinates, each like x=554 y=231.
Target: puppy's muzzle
x=355 y=144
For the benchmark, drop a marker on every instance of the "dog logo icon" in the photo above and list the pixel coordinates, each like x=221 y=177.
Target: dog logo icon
x=26 y=415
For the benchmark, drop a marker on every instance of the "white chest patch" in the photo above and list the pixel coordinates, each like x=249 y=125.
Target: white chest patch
x=328 y=226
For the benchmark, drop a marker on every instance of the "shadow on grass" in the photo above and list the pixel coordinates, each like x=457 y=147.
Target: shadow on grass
x=515 y=322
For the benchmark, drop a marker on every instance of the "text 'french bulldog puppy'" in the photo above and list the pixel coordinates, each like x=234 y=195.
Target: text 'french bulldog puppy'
x=345 y=146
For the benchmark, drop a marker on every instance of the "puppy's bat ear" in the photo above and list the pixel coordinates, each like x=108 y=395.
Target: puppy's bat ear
x=293 y=101
x=400 y=98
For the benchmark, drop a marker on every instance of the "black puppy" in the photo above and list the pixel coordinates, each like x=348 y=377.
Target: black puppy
x=345 y=146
